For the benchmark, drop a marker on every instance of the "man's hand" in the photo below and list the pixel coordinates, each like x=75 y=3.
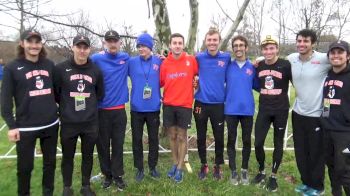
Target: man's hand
x=257 y=61
x=13 y=135
x=195 y=82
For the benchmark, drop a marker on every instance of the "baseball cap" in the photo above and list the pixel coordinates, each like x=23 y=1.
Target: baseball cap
x=339 y=44
x=27 y=34
x=81 y=39
x=269 y=40
x=111 y=34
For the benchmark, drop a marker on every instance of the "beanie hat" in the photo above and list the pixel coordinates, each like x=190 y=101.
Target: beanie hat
x=145 y=39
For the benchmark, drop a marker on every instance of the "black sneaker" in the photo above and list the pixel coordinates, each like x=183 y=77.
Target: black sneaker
x=154 y=173
x=67 y=191
x=272 y=184
x=234 y=178
x=119 y=182
x=139 y=175
x=86 y=191
x=202 y=174
x=217 y=172
x=259 y=178
x=106 y=184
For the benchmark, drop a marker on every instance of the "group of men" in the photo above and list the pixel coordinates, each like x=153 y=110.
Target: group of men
x=87 y=95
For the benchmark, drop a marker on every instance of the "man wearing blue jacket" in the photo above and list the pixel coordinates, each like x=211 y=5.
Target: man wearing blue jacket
x=239 y=106
x=145 y=104
x=112 y=114
x=210 y=99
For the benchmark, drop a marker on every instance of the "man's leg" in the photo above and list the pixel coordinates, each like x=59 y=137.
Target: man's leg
x=25 y=161
x=316 y=162
x=262 y=126
x=182 y=146
x=118 y=136
x=301 y=149
x=247 y=127
x=103 y=143
x=48 y=144
x=88 y=140
x=342 y=158
x=279 y=125
x=137 y=122
x=152 y=122
x=172 y=134
x=330 y=160
x=201 y=119
x=69 y=138
x=217 y=119
x=232 y=123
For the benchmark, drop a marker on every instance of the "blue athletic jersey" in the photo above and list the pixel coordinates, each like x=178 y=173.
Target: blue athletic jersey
x=212 y=71
x=239 y=84
x=144 y=74
x=114 y=68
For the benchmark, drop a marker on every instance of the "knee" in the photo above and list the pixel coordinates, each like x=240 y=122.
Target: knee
x=181 y=138
x=25 y=168
x=246 y=142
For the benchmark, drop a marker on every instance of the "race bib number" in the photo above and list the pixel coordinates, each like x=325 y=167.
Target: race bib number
x=80 y=103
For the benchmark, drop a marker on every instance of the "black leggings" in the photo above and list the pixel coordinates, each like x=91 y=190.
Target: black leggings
x=25 y=158
x=247 y=126
x=151 y=119
x=112 y=127
x=202 y=112
x=262 y=125
x=69 y=137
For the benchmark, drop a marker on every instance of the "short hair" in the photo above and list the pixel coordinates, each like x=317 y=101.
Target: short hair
x=239 y=37
x=177 y=35
x=308 y=33
x=212 y=31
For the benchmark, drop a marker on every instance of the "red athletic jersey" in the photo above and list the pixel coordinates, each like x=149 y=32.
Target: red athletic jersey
x=176 y=76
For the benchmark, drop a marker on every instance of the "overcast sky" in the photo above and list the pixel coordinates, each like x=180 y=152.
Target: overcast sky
x=135 y=13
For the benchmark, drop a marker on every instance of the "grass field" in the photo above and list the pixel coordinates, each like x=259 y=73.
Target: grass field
x=288 y=176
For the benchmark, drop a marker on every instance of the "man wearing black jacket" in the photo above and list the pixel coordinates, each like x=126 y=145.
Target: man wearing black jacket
x=336 y=117
x=28 y=81
x=78 y=85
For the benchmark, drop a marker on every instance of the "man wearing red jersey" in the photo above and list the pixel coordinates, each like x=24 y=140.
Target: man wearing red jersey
x=176 y=77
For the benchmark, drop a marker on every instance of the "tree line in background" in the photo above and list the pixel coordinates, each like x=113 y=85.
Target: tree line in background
x=329 y=18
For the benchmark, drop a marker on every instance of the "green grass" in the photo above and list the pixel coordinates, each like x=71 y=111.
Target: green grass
x=288 y=176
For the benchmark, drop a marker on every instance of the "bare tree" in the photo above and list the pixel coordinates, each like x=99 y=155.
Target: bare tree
x=342 y=17
x=161 y=20
x=192 y=30
x=234 y=26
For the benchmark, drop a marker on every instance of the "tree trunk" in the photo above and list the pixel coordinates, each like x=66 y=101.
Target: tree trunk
x=161 y=20
x=192 y=31
x=233 y=28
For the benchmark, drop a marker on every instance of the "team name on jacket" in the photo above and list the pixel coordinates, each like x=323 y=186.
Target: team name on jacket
x=336 y=99
x=274 y=84
x=31 y=86
x=176 y=76
x=78 y=87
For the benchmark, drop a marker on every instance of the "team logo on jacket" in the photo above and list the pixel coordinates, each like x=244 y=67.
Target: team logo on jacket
x=269 y=83
x=81 y=86
x=188 y=63
x=221 y=63
x=155 y=67
x=39 y=83
x=249 y=71
x=331 y=92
